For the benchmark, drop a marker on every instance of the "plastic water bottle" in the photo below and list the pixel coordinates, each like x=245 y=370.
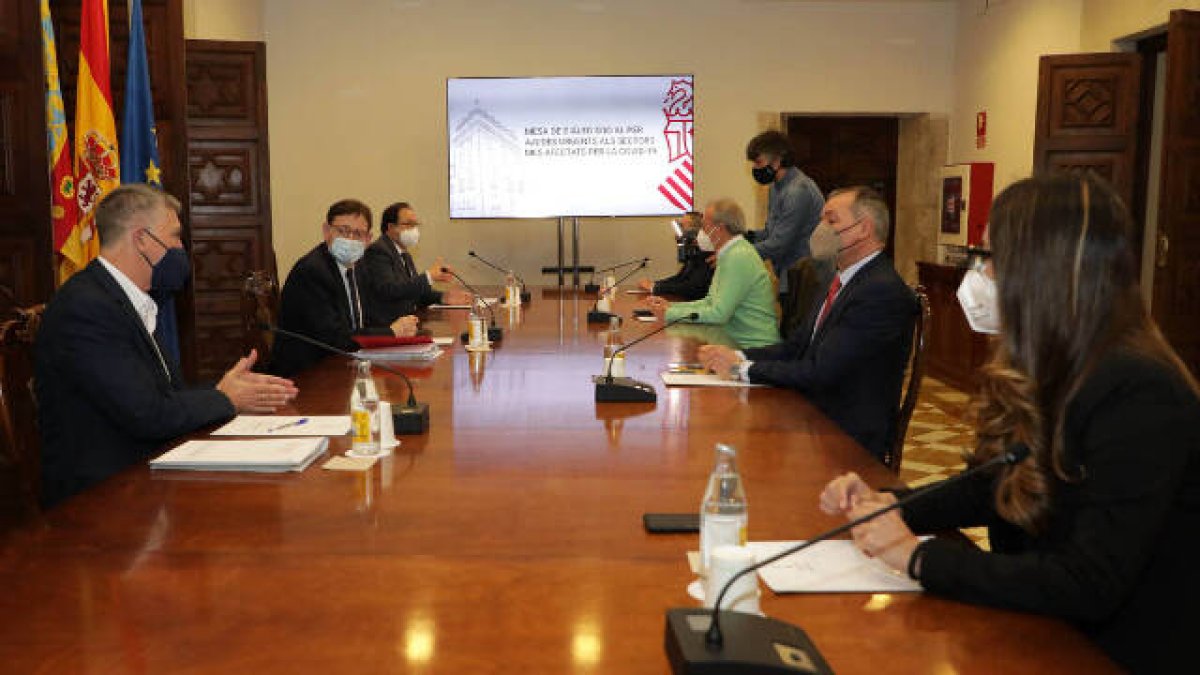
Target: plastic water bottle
x=512 y=290
x=477 y=324
x=614 y=361
x=364 y=414
x=723 y=515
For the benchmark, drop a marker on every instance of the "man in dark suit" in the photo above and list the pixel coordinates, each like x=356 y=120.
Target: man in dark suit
x=695 y=275
x=322 y=297
x=107 y=394
x=395 y=286
x=848 y=356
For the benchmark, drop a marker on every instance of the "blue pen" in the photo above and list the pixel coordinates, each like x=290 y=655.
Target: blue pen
x=297 y=423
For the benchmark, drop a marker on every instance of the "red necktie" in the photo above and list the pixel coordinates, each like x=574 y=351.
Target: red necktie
x=833 y=291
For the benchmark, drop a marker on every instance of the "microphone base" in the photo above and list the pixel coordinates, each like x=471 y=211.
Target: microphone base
x=752 y=645
x=410 y=420
x=494 y=334
x=623 y=390
x=591 y=288
x=596 y=316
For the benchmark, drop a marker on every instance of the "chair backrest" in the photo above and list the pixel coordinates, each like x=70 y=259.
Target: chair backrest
x=916 y=371
x=260 y=305
x=20 y=449
x=807 y=280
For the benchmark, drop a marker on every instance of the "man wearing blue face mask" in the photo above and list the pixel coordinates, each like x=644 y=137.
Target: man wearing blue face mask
x=323 y=295
x=107 y=394
x=169 y=276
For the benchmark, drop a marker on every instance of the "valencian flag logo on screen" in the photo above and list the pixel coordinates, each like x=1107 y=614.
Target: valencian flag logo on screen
x=677 y=109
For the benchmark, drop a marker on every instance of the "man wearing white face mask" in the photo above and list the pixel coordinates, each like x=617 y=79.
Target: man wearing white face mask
x=322 y=297
x=848 y=356
x=395 y=286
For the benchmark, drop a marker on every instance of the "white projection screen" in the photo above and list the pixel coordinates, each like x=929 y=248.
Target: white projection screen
x=537 y=147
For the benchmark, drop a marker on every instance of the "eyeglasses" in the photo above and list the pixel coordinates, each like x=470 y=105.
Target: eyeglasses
x=341 y=231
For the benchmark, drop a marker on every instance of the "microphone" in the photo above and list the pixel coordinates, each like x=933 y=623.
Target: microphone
x=611 y=389
x=593 y=287
x=495 y=333
x=525 y=295
x=761 y=645
x=594 y=315
x=409 y=419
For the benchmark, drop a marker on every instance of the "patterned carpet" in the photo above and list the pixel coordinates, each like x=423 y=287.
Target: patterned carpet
x=937 y=438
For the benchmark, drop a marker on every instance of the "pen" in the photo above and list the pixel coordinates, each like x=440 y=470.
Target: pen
x=297 y=423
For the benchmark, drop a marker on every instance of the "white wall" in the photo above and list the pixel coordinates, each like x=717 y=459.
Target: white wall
x=357 y=95
x=223 y=19
x=1107 y=20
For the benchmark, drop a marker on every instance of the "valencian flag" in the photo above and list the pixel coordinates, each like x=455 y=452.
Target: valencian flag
x=139 y=164
x=62 y=176
x=97 y=164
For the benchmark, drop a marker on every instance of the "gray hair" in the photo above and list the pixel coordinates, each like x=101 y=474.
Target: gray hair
x=868 y=203
x=727 y=212
x=125 y=204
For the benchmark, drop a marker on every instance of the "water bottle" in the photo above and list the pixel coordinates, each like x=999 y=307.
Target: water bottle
x=614 y=361
x=512 y=290
x=364 y=414
x=477 y=324
x=723 y=514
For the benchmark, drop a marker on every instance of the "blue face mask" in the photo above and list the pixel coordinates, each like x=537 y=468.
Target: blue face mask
x=172 y=271
x=346 y=251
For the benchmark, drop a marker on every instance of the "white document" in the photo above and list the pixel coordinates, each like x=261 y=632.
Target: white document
x=646 y=319
x=286 y=425
x=425 y=352
x=274 y=455
x=491 y=302
x=637 y=291
x=702 y=380
x=443 y=341
x=834 y=566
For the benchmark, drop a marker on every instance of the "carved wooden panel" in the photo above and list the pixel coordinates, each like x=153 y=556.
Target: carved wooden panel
x=222 y=262
x=223 y=177
x=9 y=25
x=7 y=169
x=217 y=340
x=1107 y=165
x=1091 y=100
x=222 y=90
x=16 y=267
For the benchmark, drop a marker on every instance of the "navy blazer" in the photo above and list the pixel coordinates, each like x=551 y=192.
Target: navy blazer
x=394 y=289
x=104 y=400
x=853 y=367
x=314 y=303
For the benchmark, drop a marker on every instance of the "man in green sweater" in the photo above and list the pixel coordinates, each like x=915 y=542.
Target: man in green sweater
x=741 y=297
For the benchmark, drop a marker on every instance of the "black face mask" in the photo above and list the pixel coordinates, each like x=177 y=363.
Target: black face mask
x=172 y=271
x=765 y=175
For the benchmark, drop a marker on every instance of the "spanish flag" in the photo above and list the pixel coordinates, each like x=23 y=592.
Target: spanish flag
x=97 y=164
x=62 y=175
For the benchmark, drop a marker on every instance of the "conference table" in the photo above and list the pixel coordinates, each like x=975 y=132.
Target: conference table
x=506 y=539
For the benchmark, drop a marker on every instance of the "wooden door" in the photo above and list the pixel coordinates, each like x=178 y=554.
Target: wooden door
x=838 y=152
x=229 y=180
x=1176 y=303
x=1087 y=117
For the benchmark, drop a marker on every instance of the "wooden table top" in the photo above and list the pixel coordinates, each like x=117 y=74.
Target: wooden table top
x=507 y=539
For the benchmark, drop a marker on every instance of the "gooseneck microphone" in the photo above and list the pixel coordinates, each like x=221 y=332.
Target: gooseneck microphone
x=411 y=418
x=761 y=645
x=525 y=294
x=594 y=314
x=494 y=332
x=611 y=389
x=593 y=287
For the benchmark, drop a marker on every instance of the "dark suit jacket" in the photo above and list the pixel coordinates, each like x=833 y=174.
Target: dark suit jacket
x=394 y=289
x=1118 y=556
x=314 y=303
x=104 y=401
x=691 y=281
x=853 y=368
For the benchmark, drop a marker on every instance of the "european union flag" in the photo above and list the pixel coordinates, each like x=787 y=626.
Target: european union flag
x=139 y=164
x=139 y=147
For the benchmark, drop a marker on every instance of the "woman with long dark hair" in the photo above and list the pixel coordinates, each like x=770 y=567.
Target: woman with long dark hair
x=1100 y=524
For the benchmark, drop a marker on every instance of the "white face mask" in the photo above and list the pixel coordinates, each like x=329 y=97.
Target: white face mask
x=410 y=237
x=977 y=295
x=704 y=241
x=347 y=251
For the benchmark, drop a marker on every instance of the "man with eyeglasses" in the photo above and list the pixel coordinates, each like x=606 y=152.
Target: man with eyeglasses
x=395 y=286
x=848 y=357
x=323 y=295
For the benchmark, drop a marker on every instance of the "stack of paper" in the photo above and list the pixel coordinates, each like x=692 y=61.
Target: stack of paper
x=834 y=566
x=692 y=379
x=426 y=352
x=275 y=455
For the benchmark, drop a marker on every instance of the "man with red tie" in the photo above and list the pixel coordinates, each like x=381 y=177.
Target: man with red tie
x=848 y=356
